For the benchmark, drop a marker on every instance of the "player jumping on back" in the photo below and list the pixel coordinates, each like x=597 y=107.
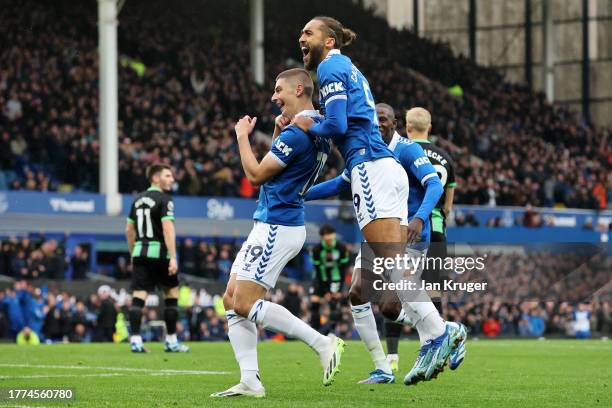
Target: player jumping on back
x=380 y=200
x=425 y=191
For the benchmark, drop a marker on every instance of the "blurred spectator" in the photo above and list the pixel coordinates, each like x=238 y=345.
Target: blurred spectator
x=27 y=337
x=79 y=263
x=123 y=269
x=582 y=321
x=52 y=327
x=293 y=299
x=152 y=329
x=13 y=311
x=531 y=218
x=188 y=257
x=107 y=316
x=491 y=327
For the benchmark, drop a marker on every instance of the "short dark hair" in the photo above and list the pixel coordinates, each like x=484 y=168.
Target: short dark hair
x=337 y=31
x=326 y=229
x=156 y=168
x=387 y=107
x=301 y=76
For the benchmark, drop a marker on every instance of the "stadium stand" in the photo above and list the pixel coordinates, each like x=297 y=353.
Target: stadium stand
x=181 y=90
x=531 y=294
x=59 y=316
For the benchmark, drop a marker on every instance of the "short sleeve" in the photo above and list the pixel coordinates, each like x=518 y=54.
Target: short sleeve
x=452 y=182
x=290 y=144
x=167 y=211
x=132 y=215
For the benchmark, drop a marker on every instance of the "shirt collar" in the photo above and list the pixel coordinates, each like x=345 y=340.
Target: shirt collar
x=333 y=52
x=154 y=189
x=394 y=141
x=311 y=113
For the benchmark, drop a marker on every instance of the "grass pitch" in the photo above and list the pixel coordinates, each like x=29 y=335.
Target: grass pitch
x=498 y=373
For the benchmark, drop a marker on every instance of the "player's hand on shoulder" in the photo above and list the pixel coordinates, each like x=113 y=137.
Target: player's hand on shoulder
x=281 y=122
x=303 y=122
x=245 y=126
x=172 y=266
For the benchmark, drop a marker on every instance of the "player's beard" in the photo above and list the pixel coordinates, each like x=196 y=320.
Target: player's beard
x=315 y=56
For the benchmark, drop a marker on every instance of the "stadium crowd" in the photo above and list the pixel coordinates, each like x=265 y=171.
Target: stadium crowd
x=528 y=295
x=181 y=90
x=36 y=257
x=31 y=314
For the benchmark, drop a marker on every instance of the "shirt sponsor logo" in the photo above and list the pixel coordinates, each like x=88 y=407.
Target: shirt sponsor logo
x=331 y=88
x=283 y=147
x=420 y=161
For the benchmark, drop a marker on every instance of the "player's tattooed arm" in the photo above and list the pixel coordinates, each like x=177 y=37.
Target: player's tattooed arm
x=257 y=173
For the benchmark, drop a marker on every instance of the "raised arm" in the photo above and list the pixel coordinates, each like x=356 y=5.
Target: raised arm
x=257 y=173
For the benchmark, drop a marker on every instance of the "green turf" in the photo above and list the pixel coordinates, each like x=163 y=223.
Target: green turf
x=496 y=373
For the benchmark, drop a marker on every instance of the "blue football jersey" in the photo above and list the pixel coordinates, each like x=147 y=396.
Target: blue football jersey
x=419 y=169
x=339 y=79
x=281 y=199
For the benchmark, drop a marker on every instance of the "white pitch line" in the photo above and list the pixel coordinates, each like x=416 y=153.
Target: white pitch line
x=141 y=370
x=13 y=377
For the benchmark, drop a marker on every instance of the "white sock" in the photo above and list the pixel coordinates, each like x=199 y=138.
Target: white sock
x=366 y=327
x=136 y=339
x=243 y=337
x=431 y=326
x=407 y=317
x=277 y=318
x=420 y=311
x=171 y=338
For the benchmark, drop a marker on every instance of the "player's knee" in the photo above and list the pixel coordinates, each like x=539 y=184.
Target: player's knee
x=391 y=310
x=243 y=306
x=228 y=299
